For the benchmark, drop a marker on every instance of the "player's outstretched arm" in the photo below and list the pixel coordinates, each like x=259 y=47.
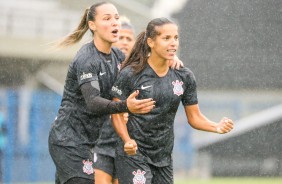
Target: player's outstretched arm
x=100 y=106
x=198 y=121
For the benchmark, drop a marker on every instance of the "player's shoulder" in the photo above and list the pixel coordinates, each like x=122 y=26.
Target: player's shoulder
x=86 y=54
x=184 y=71
x=186 y=75
x=127 y=71
x=119 y=54
x=87 y=49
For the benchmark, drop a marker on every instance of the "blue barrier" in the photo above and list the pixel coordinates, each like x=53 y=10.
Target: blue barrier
x=30 y=162
x=3 y=140
x=12 y=97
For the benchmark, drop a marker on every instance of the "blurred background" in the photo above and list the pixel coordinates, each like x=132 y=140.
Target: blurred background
x=234 y=48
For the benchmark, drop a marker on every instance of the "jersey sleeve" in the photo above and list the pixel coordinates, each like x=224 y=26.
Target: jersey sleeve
x=190 y=92
x=123 y=85
x=86 y=69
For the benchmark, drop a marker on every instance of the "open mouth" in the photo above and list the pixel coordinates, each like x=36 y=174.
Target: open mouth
x=171 y=50
x=115 y=31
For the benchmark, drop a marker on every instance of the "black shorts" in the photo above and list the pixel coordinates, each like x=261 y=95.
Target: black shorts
x=131 y=169
x=105 y=163
x=72 y=162
x=79 y=180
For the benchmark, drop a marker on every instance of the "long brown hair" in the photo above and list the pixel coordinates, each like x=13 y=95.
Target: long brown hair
x=141 y=50
x=78 y=33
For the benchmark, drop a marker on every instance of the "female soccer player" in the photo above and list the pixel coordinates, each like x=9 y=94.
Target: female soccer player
x=86 y=102
x=104 y=150
x=145 y=148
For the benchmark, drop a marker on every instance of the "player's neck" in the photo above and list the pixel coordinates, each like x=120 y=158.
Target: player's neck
x=103 y=46
x=159 y=65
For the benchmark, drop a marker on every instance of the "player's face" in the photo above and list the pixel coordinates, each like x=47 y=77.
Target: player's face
x=166 y=42
x=126 y=41
x=106 y=25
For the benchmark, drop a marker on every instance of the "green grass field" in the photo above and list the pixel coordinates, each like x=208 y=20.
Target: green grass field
x=231 y=181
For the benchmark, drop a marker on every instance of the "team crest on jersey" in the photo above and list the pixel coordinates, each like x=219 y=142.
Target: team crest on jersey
x=87 y=167
x=139 y=177
x=177 y=87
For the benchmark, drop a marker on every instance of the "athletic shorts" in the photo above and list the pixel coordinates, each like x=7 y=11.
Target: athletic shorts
x=131 y=169
x=79 y=181
x=105 y=163
x=72 y=162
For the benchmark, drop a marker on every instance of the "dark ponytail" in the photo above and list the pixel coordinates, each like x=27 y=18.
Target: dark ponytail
x=78 y=33
x=138 y=58
x=139 y=54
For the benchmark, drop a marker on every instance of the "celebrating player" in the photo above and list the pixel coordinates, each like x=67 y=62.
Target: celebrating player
x=86 y=103
x=145 y=148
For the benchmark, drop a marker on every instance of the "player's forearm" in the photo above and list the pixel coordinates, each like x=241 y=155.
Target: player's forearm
x=119 y=125
x=101 y=106
x=198 y=121
x=98 y=105
x=203 y=124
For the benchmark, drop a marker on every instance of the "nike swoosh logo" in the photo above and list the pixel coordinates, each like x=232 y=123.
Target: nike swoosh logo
x=145 y=87
x=102 y=73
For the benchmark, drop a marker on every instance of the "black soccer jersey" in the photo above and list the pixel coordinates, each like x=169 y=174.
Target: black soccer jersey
x=75 y=124
x=153 y=132
x=106 y=142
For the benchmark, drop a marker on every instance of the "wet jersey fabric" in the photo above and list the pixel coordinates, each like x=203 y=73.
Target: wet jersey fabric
x=153 y=132
x=106 y=142
x=75 y=126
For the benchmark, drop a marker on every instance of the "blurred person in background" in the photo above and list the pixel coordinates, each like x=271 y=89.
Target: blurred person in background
x=144 y=150
x=104 y=150
x=86 y=103
x=126 y=36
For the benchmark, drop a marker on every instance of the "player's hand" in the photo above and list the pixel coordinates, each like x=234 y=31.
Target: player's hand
x=139 y=106
x=224 y=126
x=175 y=63
x=130 y=147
